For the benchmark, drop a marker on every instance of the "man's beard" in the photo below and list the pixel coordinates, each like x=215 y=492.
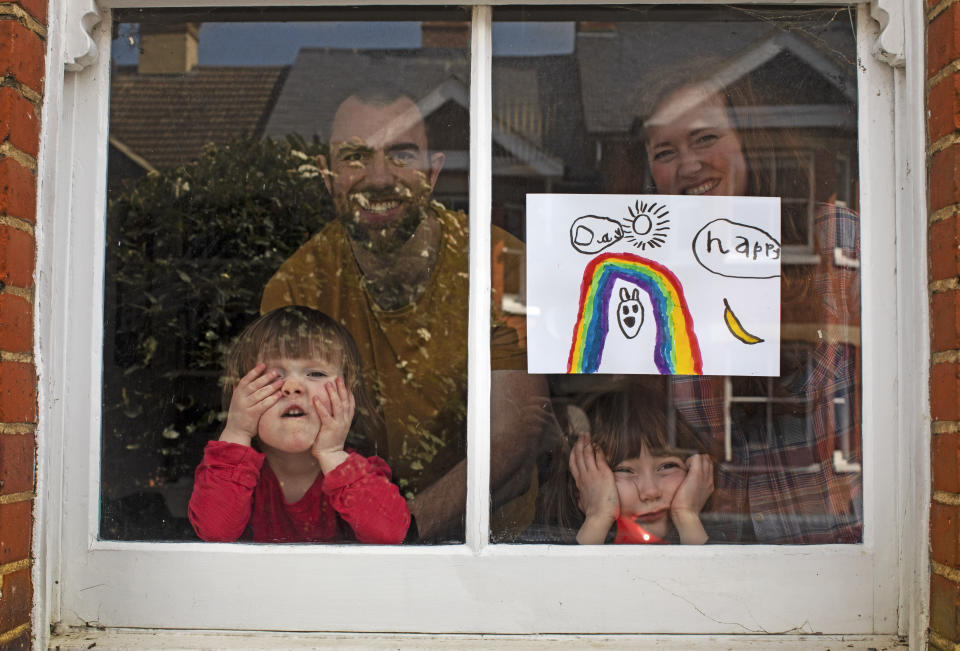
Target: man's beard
x=386 y=237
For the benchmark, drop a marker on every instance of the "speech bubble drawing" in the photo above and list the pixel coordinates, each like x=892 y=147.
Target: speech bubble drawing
x=592 y=234
x=735 y=250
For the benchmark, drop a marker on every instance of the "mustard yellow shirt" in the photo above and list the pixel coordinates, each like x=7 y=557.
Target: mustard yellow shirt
x=415 y=358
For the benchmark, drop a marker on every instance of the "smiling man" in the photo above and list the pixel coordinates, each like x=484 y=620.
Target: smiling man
x=392 y=267
x=380 y=173
x=381 y=177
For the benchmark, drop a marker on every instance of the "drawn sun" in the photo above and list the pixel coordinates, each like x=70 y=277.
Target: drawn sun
x=647 y=225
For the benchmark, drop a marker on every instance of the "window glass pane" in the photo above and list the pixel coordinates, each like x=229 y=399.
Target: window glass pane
x=681 y=101
x=267 y=158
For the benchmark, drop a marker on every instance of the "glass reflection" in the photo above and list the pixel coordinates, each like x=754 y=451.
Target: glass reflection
x=700 y=101
x=333 y=178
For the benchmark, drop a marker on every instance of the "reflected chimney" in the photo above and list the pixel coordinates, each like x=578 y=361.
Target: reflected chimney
x=596 y=27
x=168 y=49
x=445 y=33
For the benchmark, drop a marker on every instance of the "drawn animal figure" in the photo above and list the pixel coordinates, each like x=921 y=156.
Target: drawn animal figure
x=629 y=313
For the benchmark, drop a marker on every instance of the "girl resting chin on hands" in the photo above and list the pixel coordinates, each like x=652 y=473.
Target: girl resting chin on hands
x=281 y=470
x=628 y=481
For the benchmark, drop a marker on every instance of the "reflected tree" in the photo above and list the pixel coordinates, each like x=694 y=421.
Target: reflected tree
x=189 y=251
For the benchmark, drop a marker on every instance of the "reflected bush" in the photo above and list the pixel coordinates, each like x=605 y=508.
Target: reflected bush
x=189 y=251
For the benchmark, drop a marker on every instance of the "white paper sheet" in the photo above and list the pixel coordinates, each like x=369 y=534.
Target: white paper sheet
x=653 y=284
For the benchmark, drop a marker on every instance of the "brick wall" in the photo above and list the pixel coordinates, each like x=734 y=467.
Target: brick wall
x=22 y=48
x=943 y=176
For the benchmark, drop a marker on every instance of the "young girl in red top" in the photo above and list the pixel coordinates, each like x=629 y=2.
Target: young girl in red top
x=627 y=481
x=280 y=469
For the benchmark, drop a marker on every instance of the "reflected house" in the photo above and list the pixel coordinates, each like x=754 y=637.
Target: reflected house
x=561 y=123
x=166 y=109
x=160 y=121
x=533 y=109
x=437 y=79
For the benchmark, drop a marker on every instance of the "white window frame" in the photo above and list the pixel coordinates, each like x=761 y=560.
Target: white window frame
x=867 y=589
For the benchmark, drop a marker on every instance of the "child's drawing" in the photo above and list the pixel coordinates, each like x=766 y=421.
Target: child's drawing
x=735 y=250
x=681 y=260
x=645 y=224
x=629 y=313
x=676 y=351
x=592 y=234
x=649 y=225
x=736 y=329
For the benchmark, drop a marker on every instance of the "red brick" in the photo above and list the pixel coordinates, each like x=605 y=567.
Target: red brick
x=18 y=393
x=944 y=607
x=945 y=534
x=946 y=462
x=16 y=324
x=17 y=595
x=945 y=178
x=17 y=257
x=18 y=190
x=16 y=525
x=19 y=121
x=17 y=463
x=943 y=104
x=943 y=39
x=943 y=392
x=945 y=321
x=21 y=54
x=36 y=8
x=943 y=249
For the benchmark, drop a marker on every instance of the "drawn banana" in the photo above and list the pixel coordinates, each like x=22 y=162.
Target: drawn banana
x=736 y=329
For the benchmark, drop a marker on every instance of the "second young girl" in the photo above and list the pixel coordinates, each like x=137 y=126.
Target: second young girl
x=627 y=480
x=281 y=470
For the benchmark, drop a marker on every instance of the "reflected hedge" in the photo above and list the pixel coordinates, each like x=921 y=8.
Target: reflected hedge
x=189 y=251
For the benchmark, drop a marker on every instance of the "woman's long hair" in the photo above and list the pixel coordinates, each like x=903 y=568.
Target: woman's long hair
x=778 y=150
x=741 y=102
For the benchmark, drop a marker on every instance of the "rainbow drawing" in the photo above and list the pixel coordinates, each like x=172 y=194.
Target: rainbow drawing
x=677 y=351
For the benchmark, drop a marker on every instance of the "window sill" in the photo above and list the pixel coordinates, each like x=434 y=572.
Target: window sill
x=109 y=640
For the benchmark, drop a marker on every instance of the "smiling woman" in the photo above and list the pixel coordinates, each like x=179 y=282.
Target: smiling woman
x=702 y=138
x=693 y=147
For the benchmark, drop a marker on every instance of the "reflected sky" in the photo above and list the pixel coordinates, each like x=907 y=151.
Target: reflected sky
x=236 y=44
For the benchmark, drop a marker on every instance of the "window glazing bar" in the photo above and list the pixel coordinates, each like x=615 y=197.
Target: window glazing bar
x=478 y=333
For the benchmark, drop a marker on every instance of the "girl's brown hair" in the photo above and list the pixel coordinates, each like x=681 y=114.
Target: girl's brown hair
x=298 y=332
x=621 y=423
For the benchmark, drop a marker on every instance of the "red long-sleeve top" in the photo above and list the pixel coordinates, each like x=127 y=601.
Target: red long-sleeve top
x=234 y=488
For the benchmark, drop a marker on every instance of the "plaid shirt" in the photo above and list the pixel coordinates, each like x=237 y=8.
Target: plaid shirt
x=780 y=483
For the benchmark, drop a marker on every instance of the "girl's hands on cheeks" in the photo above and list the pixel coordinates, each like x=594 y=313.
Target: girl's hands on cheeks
x=691 y=496
x=598 y=491
x=335 y=424
x=255 y=393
